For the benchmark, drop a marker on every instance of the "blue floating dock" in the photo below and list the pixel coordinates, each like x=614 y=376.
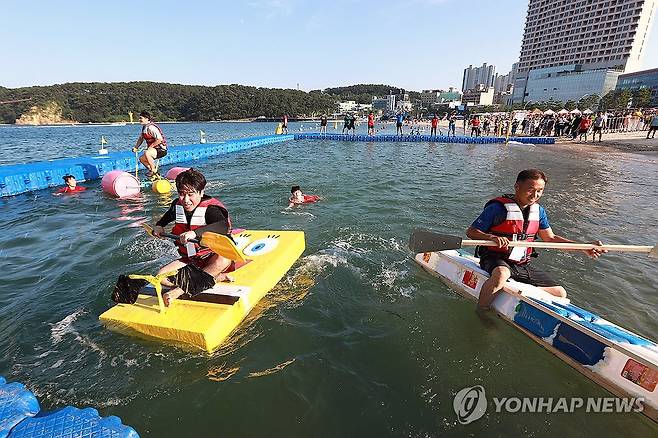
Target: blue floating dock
x=16 y=404
x=23 y=178
x=20 y=418
x=425 y=138
x=72 y=422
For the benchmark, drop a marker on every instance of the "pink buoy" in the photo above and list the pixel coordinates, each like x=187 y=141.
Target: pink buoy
x=120 y=184
x=174 y=171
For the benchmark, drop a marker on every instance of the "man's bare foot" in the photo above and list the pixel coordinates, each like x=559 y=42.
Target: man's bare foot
x=222 y=277
x=171 y=296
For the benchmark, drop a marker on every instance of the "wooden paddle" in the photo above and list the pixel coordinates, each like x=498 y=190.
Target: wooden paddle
x=427 y=241
x=218 y=243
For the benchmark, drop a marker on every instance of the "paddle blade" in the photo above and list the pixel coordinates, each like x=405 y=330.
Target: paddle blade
x=148 y=228
x=654 y=252
x=223 y=246
x=127 y=290
x=427 y=241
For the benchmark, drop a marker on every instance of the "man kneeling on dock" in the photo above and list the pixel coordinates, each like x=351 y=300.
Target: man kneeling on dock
x=510 y=217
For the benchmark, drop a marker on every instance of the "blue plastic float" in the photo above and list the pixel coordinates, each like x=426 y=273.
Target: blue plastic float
x=22 y=178
x=424 y=138
x=20 y=418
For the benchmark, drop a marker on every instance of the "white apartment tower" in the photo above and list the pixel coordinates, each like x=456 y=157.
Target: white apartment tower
x=592 y=34
x=478 y=77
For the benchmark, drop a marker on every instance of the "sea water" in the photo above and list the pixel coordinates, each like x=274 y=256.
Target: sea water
x=356 y=340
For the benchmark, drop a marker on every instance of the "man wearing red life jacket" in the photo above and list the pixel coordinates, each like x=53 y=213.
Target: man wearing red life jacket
x=156 y=143
x=71 y=186
x=194 y=213
x=371 y=123
x=516 y=217
x=435 y=124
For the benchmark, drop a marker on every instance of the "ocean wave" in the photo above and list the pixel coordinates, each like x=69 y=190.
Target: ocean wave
x=64 y=327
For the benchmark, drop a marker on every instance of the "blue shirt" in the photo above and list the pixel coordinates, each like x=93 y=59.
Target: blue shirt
x=399 y=118
x=495 y=213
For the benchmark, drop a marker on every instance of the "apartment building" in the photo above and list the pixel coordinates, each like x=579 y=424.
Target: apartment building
x=594 y=34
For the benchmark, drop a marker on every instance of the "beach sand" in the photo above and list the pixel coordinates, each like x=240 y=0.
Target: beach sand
x=635 y=142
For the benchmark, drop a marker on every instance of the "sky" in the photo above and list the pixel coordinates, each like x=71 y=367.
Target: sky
x=413 y=44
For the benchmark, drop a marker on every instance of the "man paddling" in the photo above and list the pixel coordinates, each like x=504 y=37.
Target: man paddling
x=156 y=143
x=516 y=216
x=194 y=213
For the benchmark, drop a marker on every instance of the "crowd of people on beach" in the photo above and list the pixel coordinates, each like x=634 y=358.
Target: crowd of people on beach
x=574 y=124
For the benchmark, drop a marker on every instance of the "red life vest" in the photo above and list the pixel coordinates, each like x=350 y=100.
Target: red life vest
x=146 y=135
x=435 y=122
x=197 y=220
x=68 y=189
x=371 y=120
x=514 y=227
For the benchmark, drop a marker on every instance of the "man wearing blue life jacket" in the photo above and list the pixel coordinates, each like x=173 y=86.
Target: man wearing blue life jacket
x=510 y=217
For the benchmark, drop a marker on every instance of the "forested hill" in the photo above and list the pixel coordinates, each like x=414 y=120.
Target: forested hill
x=105 y=102
x=111 y=102
x=363 y=93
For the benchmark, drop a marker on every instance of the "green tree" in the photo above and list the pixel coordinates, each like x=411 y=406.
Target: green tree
x=622 y=99
x=589 y=102
x=642 y=97
x=608 y=101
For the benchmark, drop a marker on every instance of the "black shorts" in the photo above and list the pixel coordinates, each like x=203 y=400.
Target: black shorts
x=522 y=273
x=160 y=152
x=598 y=128
x=399 y=125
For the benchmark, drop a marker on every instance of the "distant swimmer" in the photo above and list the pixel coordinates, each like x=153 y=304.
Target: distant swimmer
x=156 y=143
x=71 y=186
x=284 y=125
x=323 y=124
x=298 y=197
x=371 y=124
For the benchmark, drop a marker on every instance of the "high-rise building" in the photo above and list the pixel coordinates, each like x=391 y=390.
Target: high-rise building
x=476 y=76
x=641 y=79
x=504 y=83
x=590 y=34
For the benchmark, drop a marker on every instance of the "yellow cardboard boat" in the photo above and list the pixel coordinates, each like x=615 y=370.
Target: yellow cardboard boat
x=208 y=318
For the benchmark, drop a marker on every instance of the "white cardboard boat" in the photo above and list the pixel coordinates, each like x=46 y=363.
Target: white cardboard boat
x=621 y=361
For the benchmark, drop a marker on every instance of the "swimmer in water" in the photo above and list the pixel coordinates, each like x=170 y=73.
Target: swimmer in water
x=298 y=197
x=71 y=186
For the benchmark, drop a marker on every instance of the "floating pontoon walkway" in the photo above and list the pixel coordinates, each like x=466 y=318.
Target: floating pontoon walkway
x=21 y=417
x=430 y=138
x=22 y=178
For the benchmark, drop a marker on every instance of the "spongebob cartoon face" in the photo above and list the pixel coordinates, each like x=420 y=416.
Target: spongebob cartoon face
x=254 y=248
